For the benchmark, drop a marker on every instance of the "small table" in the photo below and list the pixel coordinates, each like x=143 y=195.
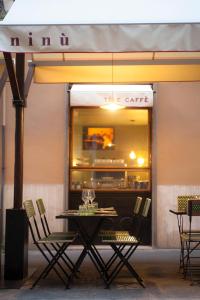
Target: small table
x=88 y=239
x=179 y=215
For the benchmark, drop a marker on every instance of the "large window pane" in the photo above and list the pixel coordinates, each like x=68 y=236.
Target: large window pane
x=111 y=139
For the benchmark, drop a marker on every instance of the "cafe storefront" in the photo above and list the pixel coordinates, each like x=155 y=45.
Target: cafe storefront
x=110 y=149
x=65 y=49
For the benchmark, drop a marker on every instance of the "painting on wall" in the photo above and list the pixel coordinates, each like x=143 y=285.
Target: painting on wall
x=98 y=138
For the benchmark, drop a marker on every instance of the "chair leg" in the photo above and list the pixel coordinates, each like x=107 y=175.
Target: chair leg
x=67 y=258
x=62 y=257
x=124 y=262
x=44 y=270
x=58 y=263
x=113 y=258
x=51 y=265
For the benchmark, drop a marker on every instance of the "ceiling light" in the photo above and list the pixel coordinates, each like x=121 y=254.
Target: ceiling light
x=140 y=161
x=132 y=155
x=112 y=106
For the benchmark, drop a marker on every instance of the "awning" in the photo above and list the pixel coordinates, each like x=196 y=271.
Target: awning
x=101 y=26
x=122 y=95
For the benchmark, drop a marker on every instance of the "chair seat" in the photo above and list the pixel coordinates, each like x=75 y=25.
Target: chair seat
x=193 y=231
x=63 y=234
x=55 y=239
x=120 y=239
x=193 y=236
x=105 y=233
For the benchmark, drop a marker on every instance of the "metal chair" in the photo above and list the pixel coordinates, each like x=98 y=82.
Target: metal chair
x=129 y=222
x=124 y=221
x=48 y=232
x=182 y=202
x=191 y=242
x=44 y=246
x=119 y=241
x=44 y=221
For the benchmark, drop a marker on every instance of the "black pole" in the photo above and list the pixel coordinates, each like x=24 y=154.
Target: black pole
x=19 y=132
x=16 y=237
x=18 y=171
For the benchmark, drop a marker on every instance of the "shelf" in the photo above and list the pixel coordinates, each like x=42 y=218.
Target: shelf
x=111 y=179
x=115 y=190
x=110 y=168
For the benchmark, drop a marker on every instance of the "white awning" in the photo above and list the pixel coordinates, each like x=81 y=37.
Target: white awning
x=100 y=95
x=101 y=26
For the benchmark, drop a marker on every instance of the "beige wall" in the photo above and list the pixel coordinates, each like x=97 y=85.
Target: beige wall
x=43 y=135
x=176 y=154
x=44 y=138
x=178 y=134
x=176 y=148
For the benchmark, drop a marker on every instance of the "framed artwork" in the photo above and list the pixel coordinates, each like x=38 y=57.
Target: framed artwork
x=98 y=138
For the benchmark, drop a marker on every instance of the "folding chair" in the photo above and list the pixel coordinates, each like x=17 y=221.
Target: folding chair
x=191 y=242
x=182 y=203
x=128 y=222
x=117 y=240
x=45 y=243
x=124 y=220
x=45 y=224
x=48 y=232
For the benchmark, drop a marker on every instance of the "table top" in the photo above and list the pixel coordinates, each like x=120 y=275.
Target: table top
x=100 y=212
x=178 y=212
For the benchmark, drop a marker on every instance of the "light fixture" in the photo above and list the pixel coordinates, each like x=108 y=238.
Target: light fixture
x=110 y=145
x=140 y=161
x=112 y=105
x=132 y=155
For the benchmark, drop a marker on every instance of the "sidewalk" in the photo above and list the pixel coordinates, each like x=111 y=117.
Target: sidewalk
x=158 y=268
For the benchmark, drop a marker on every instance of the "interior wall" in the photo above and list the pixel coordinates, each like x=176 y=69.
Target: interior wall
x=136 y=138
x=176 y=149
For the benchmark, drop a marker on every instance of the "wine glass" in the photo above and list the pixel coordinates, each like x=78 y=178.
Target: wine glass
x=85 y=196
x=91 y=195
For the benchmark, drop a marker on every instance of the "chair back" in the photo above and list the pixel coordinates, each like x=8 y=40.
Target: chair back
x=146 y=207
x=31 y=215
x=40 y=205
x=142 y=221
x=182 y=201
x=137 y=206
x=43 y=218
x=193 y=209
x=29 y=208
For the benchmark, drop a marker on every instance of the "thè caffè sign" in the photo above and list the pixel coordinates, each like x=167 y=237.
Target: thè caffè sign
x=99 y=95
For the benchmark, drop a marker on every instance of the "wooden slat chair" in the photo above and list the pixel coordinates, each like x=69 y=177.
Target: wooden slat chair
x=48 y=232
x=44 y=246
x=124 y=222
x=45 y=224
x=191 y=242
x=182 y=202
x=131 y=241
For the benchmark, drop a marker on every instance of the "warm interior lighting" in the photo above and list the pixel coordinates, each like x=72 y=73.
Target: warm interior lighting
x=110 y=145
x=132 y=155
x=112 y=106
x=140 y=161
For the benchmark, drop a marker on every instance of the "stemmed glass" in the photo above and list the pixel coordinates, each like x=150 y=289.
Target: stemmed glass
x=91 y=195
x=85 y=196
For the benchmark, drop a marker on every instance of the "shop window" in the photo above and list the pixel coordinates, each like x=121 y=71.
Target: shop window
x=110 y=150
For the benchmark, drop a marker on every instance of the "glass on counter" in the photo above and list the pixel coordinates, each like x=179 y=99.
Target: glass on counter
x=110 y=180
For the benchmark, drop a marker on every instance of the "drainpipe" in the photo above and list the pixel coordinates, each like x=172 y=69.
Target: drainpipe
x=2 y=169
